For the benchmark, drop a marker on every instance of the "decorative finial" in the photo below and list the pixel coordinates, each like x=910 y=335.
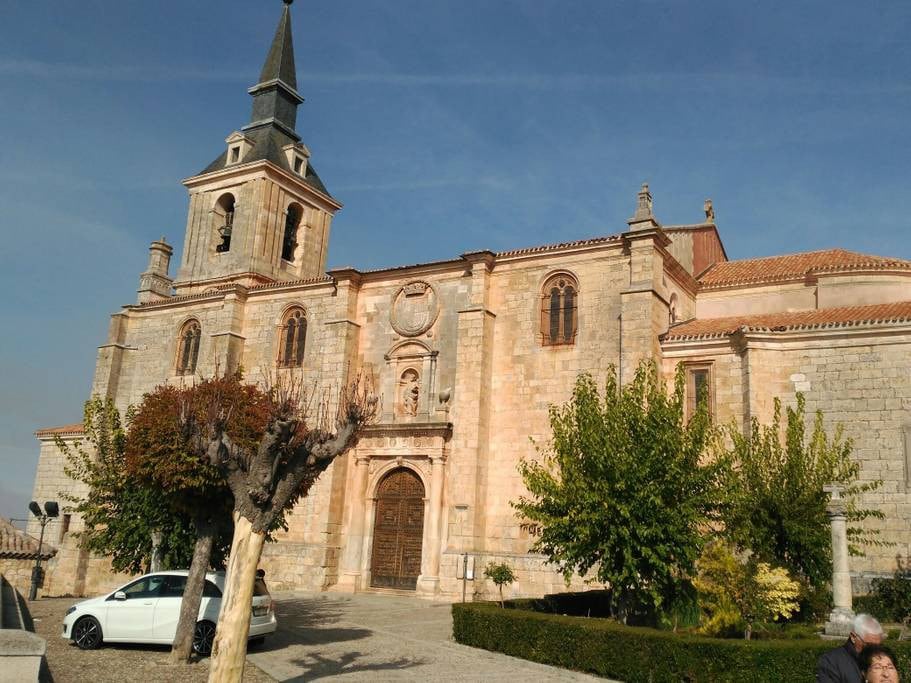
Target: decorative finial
x=644 y=204
x=709 y=211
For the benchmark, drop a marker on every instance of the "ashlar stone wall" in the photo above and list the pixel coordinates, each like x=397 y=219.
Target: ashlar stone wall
x=859 y=378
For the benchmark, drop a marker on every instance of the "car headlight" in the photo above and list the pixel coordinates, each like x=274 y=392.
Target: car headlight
x=70 y=610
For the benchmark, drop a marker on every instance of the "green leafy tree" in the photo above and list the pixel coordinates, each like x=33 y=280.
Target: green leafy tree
x=501 y=574
x=624 y=489
x=778 y=508
x=733 y=592
x=121 y=514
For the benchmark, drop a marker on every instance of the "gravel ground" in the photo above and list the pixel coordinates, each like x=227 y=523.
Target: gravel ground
x=114 y=663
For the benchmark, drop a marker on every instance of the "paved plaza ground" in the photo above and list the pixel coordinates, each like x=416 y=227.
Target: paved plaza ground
x=382 y=638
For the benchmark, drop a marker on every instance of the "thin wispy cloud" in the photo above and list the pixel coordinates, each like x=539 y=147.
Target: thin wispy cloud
x=693 y=82
x=406 y=185
x=32 y=68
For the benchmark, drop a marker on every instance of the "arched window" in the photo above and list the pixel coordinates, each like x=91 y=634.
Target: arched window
x=224 y=221
x=289 y=241
x=188 y=347
x=559 y=306
x=292 y=338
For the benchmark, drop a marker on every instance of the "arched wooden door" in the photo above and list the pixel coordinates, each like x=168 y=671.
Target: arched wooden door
x=398 y=531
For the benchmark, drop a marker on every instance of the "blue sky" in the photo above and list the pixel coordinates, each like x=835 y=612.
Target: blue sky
x=443 y=126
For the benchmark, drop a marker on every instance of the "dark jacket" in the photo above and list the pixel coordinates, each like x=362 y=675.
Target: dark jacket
x=839 y=666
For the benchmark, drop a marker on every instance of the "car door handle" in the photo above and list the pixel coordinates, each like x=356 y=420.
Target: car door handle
x=147 y=603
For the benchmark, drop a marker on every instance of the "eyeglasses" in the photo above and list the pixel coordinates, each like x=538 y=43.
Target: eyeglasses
x=883 y=667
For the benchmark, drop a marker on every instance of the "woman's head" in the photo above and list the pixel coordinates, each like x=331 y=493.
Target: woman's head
x=878 y=665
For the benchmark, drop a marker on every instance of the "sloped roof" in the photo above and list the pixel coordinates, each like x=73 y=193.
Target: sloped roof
x=846 y=316
x=15 y=544
x=794 y=267
x=63 y=430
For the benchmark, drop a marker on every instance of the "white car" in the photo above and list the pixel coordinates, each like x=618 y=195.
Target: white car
x=146 y=610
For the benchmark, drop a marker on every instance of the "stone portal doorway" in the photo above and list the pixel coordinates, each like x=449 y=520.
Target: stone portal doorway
x=398 y=531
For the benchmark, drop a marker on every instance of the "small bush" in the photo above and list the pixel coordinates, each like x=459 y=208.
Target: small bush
x=635 y=654
x=501 y=574
x=891 y=598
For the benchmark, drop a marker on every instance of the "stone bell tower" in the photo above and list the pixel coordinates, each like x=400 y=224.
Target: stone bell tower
x=259 y=213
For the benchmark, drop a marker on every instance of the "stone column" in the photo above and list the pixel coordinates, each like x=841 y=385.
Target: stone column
x=354 y=543
x=842 y=613
x=431 y=578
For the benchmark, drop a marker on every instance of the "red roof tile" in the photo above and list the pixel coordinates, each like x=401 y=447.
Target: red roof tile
x=75 y=428
x=794 y=267
x=846 y=316
x=18 y=544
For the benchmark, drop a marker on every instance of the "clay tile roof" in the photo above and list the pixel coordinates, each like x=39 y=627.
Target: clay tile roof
x=559 y=245
x=17 y=544
x=64 y=430
x=846 y=316
x=794 y=267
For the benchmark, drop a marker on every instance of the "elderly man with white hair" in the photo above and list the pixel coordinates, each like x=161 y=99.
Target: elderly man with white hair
x=841 y=665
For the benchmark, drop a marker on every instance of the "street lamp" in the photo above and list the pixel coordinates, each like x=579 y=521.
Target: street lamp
x=51 y=509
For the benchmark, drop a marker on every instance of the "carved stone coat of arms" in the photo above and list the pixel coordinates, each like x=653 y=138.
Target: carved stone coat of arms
x=414 y=308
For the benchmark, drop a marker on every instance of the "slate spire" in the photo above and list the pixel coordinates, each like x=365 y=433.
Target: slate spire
x=275 y=97
x=280 y=60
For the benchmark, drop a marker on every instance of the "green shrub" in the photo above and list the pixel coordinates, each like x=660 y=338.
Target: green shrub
x=868 y=604
x=501 y=574
x=891 y=598
x=635 y=654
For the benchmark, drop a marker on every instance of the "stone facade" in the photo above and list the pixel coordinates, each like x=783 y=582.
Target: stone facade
x=466 y=357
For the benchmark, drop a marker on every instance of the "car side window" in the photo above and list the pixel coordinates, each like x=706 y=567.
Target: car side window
x=173 y=586
x=210 y=590
x=147 y=587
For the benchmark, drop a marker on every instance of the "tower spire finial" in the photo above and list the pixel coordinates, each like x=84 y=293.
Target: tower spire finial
x=280 y=60
x=275 y=97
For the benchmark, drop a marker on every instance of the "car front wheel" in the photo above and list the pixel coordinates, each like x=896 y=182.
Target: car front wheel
x=203 y=637
x=87 y=633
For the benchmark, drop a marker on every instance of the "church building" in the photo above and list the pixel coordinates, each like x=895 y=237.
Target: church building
x=469 y=353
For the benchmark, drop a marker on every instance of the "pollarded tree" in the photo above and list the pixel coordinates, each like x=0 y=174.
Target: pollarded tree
x=779 y=505
x=122 y=516
x=266 y=476
x=624 y=490
x=160 y=454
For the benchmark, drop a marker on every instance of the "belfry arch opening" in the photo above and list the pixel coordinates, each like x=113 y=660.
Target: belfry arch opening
x=289 y=240
x=224 y=221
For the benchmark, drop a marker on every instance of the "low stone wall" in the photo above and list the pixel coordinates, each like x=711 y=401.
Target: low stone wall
x=534 y=577
x=299 y=566
x=18 y=572
x=22 y=653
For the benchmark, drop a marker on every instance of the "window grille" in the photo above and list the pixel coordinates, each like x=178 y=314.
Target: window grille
x=292 y=339
x=188 y=348
x=559 y=311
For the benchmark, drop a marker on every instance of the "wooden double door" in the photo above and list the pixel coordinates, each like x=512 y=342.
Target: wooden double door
x=398 y=531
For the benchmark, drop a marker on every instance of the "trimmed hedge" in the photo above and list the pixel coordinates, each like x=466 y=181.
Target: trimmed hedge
x=635 y=654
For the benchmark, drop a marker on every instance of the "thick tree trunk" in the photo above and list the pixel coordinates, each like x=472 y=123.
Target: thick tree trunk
x=192 y=594
x=229 y=650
